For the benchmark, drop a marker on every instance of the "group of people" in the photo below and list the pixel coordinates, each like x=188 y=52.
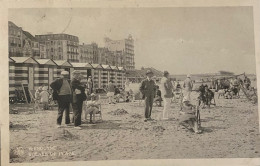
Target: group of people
x=73 y=94
x=149 y=89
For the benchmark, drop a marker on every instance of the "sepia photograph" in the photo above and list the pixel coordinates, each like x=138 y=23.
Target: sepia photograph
x=132 y=83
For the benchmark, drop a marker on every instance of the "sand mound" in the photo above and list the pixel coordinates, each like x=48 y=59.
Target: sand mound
x=136 y=116
x=63 y=134
x=118 y=112
x=158 y=129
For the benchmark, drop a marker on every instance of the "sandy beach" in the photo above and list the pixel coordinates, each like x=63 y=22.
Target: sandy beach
x=230 y=130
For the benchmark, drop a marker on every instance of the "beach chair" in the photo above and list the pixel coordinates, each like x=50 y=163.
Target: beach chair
x=95 y=114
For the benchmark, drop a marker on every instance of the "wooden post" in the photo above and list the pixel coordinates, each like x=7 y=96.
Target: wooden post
x=25 y=94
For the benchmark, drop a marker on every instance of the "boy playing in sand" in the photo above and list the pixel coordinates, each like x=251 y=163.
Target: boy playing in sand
x=188 y=117
x=45 y=98
x=92 y=107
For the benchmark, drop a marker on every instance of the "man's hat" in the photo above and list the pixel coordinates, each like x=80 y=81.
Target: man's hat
x=188 y=75
x=149 y=72
x=64 y=73
x=92 y=95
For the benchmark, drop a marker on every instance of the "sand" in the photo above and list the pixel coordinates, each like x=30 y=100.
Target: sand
x=230 y=130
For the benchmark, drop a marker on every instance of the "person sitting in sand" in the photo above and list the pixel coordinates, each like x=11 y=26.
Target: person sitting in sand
x=158 y=97
x=188 y=117
x=92 y=107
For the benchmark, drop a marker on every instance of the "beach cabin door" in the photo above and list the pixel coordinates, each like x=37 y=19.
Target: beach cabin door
x=31 y=78
x=50 y=75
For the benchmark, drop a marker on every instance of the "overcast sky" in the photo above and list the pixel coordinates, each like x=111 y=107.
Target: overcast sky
x=180 y=40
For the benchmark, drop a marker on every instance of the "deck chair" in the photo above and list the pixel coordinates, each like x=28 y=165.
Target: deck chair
x=98 y=113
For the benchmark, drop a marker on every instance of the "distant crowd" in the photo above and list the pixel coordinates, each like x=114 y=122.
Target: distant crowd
x=73 y=94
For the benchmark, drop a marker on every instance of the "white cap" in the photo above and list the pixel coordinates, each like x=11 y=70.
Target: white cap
x=188 y=75
x=64 y=73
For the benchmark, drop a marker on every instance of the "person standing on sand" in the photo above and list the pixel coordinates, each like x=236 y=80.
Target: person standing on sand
x=78 y=96
x=148 y=89
x=187 y=88
x=90 y=84
x=62 y=93
x=111 y=92
x=167 y=95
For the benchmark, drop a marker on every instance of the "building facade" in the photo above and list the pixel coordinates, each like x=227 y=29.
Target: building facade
x=126 y=46
x=60 y=46
x=89 y=53
x=31 y=47
x=15 y=40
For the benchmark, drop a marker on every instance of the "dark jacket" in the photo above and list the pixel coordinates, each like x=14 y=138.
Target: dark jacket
x=56 y=85
x=148 y=88
x=76 y=84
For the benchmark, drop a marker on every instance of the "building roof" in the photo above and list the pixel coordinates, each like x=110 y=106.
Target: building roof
x=30 y=36
x=46 y=62
x=25 y=60
x=121 y=68
x=114 y=67
x=82 y=65
x=11 y=60
x=13 y=24
x=59 y=36
x=63 y=63
x=97 y=66
x=106 y=67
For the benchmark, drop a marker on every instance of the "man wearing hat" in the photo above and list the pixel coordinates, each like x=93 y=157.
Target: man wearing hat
x=167 y=94
x=187 y=87
x=62 y=93
x=148 y=89
x=78 y=96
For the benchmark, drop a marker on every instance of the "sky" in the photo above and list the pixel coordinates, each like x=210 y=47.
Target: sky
x=191 y=40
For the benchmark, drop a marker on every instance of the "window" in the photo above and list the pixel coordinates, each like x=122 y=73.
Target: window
x=51 y=49
x=59 y=49
x=59 y=56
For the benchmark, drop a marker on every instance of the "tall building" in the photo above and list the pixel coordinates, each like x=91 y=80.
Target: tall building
x=42 y=51
x=31 y=47
x=85 y=54
x=127 y=48
x=103 y=55
x=15 y=40
x=22 y=43
x=60 y=46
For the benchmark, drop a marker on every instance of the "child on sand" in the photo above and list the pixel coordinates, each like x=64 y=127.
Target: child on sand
x=37 y=99
x=45 y=98
x=92 y=107
x=188 y=117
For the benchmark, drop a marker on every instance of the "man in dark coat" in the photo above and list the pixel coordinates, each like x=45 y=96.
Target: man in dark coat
x=148 y=89
x=62 y=93
x=78 y=96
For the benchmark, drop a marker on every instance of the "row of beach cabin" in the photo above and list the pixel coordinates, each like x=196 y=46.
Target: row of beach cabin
x=41 y=72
